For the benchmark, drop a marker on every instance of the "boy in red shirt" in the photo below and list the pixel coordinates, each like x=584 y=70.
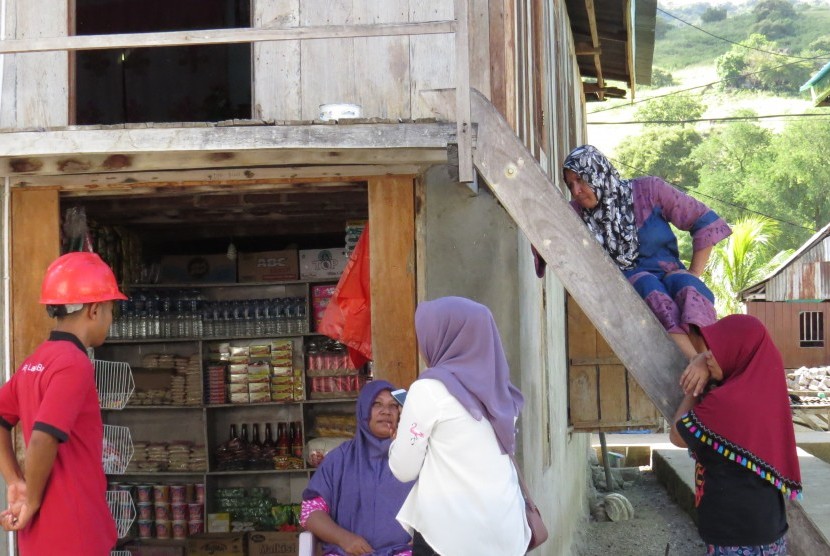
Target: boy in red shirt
x=59 y=506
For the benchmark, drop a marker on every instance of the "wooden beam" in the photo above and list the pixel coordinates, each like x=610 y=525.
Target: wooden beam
x=35 y=243
x=392 y=271
x=573 y=254
x=462 y=96
x=222 y=36
x=121 y=183
x=592 y=23
x=85 y=151
x=586 y=49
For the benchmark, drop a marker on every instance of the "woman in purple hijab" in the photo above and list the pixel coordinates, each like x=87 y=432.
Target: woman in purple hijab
x=352 y=498
x=455 y=436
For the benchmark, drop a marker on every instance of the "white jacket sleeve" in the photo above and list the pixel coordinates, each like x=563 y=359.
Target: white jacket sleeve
x=418 y=417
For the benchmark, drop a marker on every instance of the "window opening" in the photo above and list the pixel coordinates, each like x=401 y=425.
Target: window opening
x=162 y=84
x=811 y=329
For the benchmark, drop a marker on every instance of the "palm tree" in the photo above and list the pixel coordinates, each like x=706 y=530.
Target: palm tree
x=742 y=260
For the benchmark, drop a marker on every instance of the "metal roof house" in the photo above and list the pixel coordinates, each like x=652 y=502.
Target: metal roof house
x=819 y=86
x=793 y=303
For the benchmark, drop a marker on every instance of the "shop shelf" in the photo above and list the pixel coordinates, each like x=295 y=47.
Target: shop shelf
x=118 y=449
x=115 y=384
x=122 y=509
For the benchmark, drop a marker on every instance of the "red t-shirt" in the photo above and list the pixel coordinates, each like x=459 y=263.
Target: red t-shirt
x=54 y=391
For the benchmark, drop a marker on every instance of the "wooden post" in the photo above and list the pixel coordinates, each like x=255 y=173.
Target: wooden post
x=35 y=237
x=392 y=271
x=462 y=96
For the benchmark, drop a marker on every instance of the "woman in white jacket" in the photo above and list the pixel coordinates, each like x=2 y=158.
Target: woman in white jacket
x=455 y=434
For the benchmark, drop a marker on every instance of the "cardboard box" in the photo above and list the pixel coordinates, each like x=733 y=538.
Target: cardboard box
x=197 y=269
x=267 y=266
x=273 y=543
x=219 y=523
x=216 y=544
x=145 y=550
x=322 y=263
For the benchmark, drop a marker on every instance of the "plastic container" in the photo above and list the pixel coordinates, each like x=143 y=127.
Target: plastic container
x=144 y=493
x=145 y=528
x=179 y=511
x=195 y=512
x=180 y=529
x=161 y=493
x=178 y=494
x=200 y=493
x=195 y=527
x=163 y=529
x=146 y=511
x=163 y=512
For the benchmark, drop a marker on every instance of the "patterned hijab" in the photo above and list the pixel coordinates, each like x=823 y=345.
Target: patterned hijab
x=355 y=481
x=747 y=419
x=612 y=220
x=461 y=344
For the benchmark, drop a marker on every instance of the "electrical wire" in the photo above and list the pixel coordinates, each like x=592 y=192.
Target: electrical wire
x=672 y=93
x=824 y=116
x=825 y=56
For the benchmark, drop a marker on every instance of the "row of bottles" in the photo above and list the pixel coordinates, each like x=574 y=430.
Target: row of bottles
x=243 y=452
x=188 y=314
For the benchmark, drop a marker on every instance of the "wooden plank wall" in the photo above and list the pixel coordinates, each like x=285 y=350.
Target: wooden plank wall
x=35 y=236
x=41 y=80
x=781 y=319
x=385 y=75
x=392 y=267
x=602 y=394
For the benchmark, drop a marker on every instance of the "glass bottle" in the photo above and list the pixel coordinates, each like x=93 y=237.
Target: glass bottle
x=283 y=442
x=245 y=433
x=269 y=435
x=233 y=432
x=297 y=439
x=255 y=433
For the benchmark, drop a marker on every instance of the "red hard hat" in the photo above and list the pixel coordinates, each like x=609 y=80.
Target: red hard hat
x=79 y=277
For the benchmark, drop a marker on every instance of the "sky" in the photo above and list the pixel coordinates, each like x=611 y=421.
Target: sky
x=675 y=3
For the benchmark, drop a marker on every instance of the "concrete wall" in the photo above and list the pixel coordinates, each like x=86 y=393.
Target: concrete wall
x=472 y=248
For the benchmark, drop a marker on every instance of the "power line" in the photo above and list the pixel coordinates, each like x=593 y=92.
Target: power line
x=721 y=201
x=695 y=87
x=825 y=116
x=823 y=56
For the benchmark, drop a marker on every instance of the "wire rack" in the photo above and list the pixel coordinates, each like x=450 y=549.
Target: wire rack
x=118 y=449
x=114 y=380
x=123 y=511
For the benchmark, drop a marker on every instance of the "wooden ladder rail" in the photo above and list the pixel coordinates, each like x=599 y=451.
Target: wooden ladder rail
x=577 y=259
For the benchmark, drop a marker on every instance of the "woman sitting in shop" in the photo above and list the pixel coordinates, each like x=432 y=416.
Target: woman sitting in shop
x=352 y=499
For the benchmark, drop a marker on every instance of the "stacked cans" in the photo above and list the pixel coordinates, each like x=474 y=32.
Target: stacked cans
x=170 y=511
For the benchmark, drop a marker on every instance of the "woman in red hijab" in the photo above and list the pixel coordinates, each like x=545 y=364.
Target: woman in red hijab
x=740 y=434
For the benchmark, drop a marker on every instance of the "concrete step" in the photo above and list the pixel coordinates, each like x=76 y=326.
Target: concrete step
x=809 y=519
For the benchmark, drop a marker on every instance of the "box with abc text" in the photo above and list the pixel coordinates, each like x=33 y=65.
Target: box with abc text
x=267 y=266
x=322 y=263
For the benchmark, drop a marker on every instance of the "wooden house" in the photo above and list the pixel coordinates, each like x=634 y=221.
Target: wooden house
x=793 y=303
x=201 y=129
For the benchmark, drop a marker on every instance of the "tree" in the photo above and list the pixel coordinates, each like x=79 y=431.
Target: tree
x=660 y=151
x=712 y=15
x=766 y=10
x=801 y=170
x=729 y=160
x=661 y=78
x=741 y=260
x=750 y=66
x=671 y=110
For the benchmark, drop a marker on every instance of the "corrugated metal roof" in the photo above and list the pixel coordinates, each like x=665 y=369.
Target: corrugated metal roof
x=819 y=86
x=774 y=288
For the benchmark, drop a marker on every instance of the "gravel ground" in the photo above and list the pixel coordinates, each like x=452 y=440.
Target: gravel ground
x=659 y=526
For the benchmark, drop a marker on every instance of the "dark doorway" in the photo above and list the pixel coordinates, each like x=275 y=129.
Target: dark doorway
x=164 y=84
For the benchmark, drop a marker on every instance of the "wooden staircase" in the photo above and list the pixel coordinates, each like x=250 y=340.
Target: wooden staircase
x=593 y=280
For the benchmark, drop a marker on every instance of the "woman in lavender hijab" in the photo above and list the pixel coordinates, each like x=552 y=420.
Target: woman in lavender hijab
x=631 y=218
x=351 y=501
x=456 y=433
